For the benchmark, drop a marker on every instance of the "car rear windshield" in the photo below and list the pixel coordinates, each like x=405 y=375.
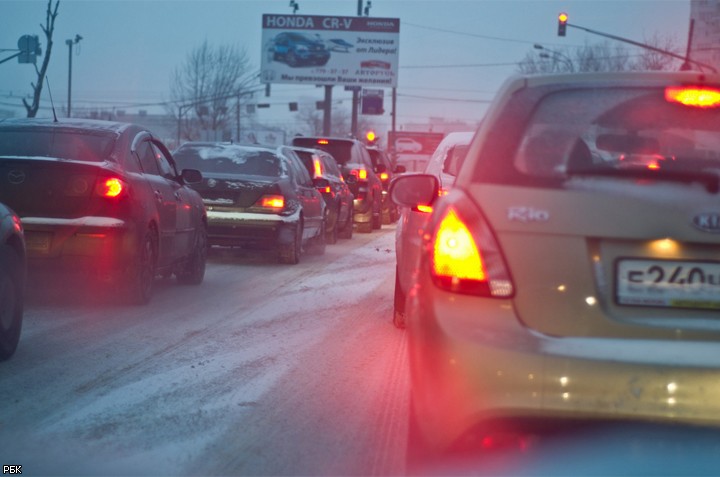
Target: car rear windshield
x=229 y=160
x=340 y=150
x=601 y=129
x=62 y=144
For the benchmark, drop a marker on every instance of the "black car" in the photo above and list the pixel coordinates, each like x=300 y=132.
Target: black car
x=357 y=168
x=104 y=199
x=297 y=49
x=258 y=197
x=337 y=194
x=380 y=158
x=12 y=280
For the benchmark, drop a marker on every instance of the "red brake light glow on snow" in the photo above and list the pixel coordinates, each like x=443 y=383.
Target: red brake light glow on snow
x=695 y=96
x=455 y=254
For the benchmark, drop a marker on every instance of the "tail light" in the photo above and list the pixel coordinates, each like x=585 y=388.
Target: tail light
x=317 y=166
x=361 y=174
x=464 y=254
x=110 y=187
x=384 y=176
x=694 y=96
x=270 y=203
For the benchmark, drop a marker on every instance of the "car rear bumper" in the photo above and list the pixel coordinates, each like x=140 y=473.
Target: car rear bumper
x=473 y=362
x=101 y=244
x=243 y=229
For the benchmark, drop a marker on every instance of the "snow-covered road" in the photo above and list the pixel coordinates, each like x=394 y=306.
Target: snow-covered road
x=264 y=369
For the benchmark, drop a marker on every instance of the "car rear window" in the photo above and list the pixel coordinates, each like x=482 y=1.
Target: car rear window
x=601 y=129
x=228 y=160
x=340 y=150
x=62 y=144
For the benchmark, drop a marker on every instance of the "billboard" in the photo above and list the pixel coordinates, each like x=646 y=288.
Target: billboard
x=311 y=49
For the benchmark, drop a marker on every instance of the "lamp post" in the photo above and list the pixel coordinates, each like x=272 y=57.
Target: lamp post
x=70 y=44
x=556 y=55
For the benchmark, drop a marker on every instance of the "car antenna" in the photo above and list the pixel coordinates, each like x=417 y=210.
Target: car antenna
x=52 y=104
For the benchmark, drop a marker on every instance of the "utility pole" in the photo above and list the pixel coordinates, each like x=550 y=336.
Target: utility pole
x=355 y=95
x=70 y=44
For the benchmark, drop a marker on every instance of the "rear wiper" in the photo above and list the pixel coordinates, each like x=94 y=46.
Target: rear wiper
x=711 y=180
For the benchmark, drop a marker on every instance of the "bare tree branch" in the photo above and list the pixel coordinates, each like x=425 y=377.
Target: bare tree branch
x=48 y=29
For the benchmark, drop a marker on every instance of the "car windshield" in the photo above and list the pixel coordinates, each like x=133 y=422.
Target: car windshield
x=586 y=130
x=228 y=160
x=61 y=144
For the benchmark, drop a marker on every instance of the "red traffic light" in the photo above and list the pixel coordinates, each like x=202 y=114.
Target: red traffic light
x=370 y=136
x=562 y=23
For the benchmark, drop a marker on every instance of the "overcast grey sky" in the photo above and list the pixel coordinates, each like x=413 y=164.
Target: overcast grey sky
x=454 y=54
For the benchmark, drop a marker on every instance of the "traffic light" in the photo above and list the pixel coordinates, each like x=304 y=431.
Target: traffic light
x=562 y=24
x=370 y=137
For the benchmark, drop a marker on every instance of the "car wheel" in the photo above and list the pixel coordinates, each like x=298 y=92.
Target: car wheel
x=347 y=231
x=398 y=304
x=142 y=274
x=12 y=275
x=365 y=227
x=193 y=272
x=316 y=246
x=291 y=59
x=290 y=253
x=331 y=236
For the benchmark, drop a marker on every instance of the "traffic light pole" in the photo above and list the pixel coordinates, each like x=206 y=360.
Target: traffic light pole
x=643 y=45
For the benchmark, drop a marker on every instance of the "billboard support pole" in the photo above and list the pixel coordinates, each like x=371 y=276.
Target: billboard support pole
x=327 y=110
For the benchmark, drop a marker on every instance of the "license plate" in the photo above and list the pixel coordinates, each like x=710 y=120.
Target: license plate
x=668 y=283
x=37 y=242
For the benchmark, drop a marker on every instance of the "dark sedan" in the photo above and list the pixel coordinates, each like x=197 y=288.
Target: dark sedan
x=104 y=199
x=12 y=280
x=258 y=197
x=337 y=194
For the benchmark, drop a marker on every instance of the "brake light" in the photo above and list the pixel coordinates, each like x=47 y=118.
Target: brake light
x=442 y=192
x=361 y=174
x=272 y=202
x=456 y=255
x=323 y=141
x=384 y=176
x=424 y=208
x=694 y=96
x=317 y=166
x=111 y=187
x=464 y=254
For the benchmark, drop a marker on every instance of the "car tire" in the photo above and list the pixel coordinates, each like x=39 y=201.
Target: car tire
x=331 y=236
x=193 y=272
x=316 y=245
x=347 y=231
x=290 y=253
x=142 y=274
x=398 y=304
x=12 y=279
x=365 y=227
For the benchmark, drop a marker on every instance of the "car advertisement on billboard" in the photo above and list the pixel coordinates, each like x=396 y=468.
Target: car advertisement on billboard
x=310 y=49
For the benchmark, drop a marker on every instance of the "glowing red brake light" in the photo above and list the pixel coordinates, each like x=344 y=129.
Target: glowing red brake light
x=323 y=141
x=695 y=96
x=464 y=256
x=317 y=166
x=384 y=176
x=456 y=256
x=111 y=187
x=361 y=174
x=272 y=201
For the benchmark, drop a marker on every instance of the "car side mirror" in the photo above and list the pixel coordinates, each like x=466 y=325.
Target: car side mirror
x=321 y=182
x=191 y=176
x=411 y=190
x=400 y=169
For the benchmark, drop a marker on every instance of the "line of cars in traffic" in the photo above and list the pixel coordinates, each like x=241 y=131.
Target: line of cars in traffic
x=109 y=202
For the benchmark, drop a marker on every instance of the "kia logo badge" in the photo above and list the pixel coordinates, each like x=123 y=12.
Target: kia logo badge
x=16 y=177
x=708 y=222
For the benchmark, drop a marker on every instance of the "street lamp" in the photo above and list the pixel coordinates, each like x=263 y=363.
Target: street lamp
x=70 y=44
x=555 y=55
